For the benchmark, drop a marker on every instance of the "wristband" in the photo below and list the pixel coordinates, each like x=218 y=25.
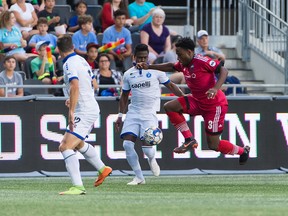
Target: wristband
x=120 y=115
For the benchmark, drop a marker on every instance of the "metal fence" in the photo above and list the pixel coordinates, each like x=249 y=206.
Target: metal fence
x=264 y=32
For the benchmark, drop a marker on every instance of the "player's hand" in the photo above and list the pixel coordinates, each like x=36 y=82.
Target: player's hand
x=71 y=121
x=142 y=65
x=211 y=93
x=67 y=103
x=118 y=124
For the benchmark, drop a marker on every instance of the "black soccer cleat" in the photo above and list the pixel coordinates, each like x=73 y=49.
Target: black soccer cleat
x=245 y=156
x=188 y=145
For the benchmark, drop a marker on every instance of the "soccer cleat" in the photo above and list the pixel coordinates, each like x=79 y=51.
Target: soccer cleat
x=245 y=156
x=188 y=145
x=137 y=181
x=75 y=190
x=154 y=167
x=101 y=176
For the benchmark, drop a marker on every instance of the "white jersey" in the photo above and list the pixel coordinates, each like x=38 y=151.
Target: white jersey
x=76 y=67
x=145 y=89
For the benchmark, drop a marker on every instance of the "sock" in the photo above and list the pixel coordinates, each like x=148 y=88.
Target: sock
x=72 y=166
x=91 y=156
x=180 y=123
x=225 y=147
x=149 y=151
x=132 y=158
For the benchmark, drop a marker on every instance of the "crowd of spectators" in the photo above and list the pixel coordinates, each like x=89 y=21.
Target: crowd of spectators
x=26 y=24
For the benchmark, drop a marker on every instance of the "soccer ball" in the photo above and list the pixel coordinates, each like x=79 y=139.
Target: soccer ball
x=153 y=135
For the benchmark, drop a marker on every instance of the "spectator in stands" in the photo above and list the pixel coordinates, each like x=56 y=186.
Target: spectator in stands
x=11 y=37
x=84 y=36
x=156 y=36
x=170 y=55
x=11 y=77
x=204 y=48
x=92 y=54
x=51 y=15
x=140 y=12
x=122 y=53
x=40 y=66
x=106 y=76
x=42 y=26
x=109 y=7
x=26 y=18
x=3 y=6
x=81 y=9
x=37 y=4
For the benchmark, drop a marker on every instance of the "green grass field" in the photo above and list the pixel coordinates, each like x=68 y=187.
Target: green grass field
x=164 y=195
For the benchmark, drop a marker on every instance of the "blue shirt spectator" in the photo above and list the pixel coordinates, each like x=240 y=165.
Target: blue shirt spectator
x=111 y=35
x=140 y=12
x=48 y=37
x=80 y=40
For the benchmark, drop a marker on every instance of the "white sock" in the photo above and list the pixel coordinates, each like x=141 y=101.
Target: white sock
x=91 y=156
x=132 y=158
x=149 y=151
x=72 y=166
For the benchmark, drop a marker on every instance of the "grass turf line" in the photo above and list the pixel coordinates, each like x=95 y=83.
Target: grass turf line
x=164 y=195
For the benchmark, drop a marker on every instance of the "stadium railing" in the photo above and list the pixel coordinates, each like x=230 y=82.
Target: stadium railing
x=234 y=86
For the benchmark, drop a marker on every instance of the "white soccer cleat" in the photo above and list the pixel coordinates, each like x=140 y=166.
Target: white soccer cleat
x=137 y=181
x=154 y=167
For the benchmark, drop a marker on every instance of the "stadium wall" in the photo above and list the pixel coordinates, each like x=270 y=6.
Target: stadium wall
x=31 y=131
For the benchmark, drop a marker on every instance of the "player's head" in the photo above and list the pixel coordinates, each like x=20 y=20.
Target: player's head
x=185 y=50
x=141 y=53
x=65 y=44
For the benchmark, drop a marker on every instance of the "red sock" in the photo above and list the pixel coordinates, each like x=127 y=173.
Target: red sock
x=180 y=123
x=225 y=147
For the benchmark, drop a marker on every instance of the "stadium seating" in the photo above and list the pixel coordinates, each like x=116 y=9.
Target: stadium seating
x=27 y=67
x=94 y=11
x=38 y=91
x=61 y=2
x=88 y=2
x=64 y=11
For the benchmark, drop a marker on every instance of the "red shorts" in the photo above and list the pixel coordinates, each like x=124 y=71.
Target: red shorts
x=213 y=114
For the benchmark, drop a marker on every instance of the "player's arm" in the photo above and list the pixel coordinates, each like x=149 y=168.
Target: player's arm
x=166 y=67
x=74 y=94
x=174 y=89
x=223 y=72
x=122 y=108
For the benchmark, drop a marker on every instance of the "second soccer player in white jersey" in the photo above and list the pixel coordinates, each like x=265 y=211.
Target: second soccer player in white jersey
x=83 y=112
x=145 y=102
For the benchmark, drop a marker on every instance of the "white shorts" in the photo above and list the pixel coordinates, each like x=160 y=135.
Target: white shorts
x=136 y=127
x=84 y=123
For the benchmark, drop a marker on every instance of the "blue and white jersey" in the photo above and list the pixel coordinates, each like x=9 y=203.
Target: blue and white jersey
x=76 y=67
x=145 y=89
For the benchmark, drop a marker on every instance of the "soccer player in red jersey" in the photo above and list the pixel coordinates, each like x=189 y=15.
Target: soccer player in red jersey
x=206 y=99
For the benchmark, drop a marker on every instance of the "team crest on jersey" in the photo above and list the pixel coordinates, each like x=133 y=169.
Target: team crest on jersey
x=148 y=75
x=212 y=63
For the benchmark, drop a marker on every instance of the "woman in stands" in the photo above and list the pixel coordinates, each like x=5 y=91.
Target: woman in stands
x=26 y=18
x=156 y=36
x=107 y=12
x=11 y=37
x=105 y=75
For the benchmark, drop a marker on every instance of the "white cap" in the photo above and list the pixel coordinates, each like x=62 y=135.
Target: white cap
x=201 y=33
x=158 y=11
x=41 y=43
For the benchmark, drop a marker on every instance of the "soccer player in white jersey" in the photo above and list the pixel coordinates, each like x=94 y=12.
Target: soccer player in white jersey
x=145 y=102
x=83 y=112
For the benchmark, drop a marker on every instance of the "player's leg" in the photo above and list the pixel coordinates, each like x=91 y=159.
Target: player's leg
x=175 y=109
x=214 y=123
x=149 y=150
x=67 y=146
x=90 y=154
x=129 y=134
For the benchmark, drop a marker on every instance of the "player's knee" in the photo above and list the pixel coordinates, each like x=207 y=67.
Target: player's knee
x=62 y=147
x=168 y=107
x=128 y=145
x=212 y=145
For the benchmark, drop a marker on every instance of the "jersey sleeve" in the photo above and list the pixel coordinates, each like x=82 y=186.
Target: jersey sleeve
x=212 y=65
x=125 y=85
x=71 y=71
x=178 y=67
x=162 y=77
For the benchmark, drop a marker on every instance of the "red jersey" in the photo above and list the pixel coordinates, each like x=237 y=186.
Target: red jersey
x=200 y=77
